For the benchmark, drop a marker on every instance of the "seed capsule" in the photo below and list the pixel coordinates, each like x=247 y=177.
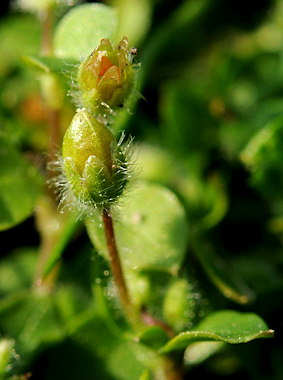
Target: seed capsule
x=93 y=163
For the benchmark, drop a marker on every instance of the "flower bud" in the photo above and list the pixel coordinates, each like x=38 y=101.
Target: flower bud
x=93 y=163
x=179 y=305
x=6 y=353
x=105 y=78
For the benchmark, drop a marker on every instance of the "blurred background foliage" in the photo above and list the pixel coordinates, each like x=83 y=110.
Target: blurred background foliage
x=209 y=127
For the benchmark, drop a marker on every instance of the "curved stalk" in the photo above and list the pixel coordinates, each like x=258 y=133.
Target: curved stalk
x=116 y=267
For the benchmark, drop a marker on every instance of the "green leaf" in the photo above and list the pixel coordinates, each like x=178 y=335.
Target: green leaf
x=17 y=270
x=226 y=326
x=68 y=230
x=187 y=126
x=6 y=354
x=205 y=198
x=151 y=229
x=35 y=319
x=198 y=352
x=110 y=348
x=145 y=375
x=157 y=164
x=263 y=157
x=125 y=353
x=228 y=282
x=30 y=319
x=82 y=28
x=179 y=304
x=20 y=185
x=153 y=336
x=133 y=27
x=50 y=64
x=56 y=75
x=19 y=34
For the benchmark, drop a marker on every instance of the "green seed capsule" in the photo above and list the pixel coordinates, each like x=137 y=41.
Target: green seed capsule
x=93 y=163
x=106 y=76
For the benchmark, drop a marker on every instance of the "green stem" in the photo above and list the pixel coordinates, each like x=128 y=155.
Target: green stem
x=47 y=27
x=48 y=212
x=172 y=369
x=53 y=113
x=53 y=116
x=116 y=267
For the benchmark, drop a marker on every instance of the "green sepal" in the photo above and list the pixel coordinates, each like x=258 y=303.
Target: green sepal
x=75 y=180
x=97 y=179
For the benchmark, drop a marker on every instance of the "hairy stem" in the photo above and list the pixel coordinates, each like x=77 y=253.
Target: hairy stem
x=116 y=266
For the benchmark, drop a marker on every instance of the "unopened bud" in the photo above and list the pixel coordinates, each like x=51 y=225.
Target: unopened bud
x=178 y=306
x=105 y=78
x=93 y=162
x=6 y=353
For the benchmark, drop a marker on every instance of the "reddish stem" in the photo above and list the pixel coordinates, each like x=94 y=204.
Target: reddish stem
x=47 y=29
x=115 y=264
x=152 y=321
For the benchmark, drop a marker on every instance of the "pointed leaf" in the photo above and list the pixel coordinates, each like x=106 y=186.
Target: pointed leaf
x=49 y=64
x=20 y=184
x=229 y=284
x=68 y=230
x=153 y=336
x=226 y=326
